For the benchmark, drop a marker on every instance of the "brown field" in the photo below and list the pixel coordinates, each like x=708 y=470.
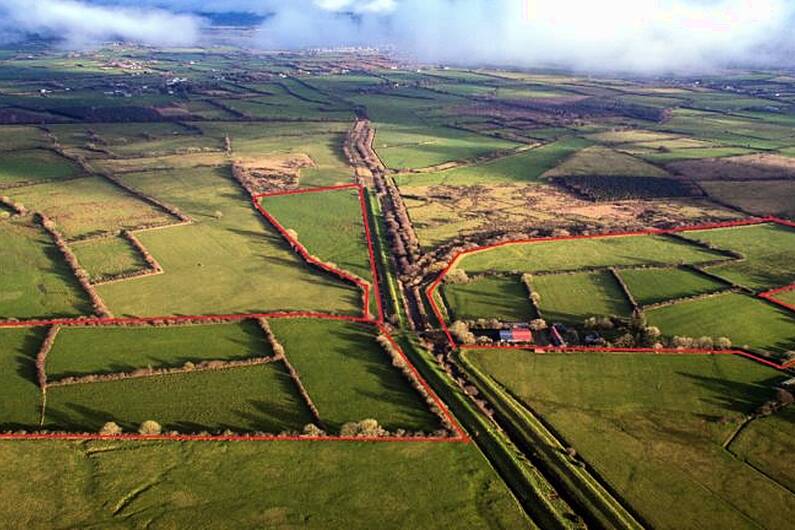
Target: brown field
x=747 y=167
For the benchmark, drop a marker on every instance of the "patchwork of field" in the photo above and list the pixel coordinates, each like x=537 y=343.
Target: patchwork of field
x=697 y=284
x=212 y=377
x=652 y=427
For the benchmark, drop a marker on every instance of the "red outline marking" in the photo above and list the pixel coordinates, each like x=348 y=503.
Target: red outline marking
x=460 y=434
x=430 y=291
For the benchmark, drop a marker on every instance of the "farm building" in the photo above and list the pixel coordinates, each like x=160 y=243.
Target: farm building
x=516 y=335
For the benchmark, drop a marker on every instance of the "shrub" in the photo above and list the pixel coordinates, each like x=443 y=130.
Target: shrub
x=150 y=427
x=723 y=343
x=368 y=427
x=538 y=324
x=310 y=429
x=460 y=330
x=457 y=276
x=110 y=429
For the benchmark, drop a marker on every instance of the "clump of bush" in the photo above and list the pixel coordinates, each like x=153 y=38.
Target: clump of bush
x=460 y=330
x=150 y=427
x=110 y=429
x=367 y=428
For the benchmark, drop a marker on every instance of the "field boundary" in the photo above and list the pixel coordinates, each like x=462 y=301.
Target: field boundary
x=458 y=433
x=432 y=290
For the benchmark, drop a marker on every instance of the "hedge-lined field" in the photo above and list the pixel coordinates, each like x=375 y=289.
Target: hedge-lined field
x=230 y=260
x=94 y=350
x=504 y=298
x=35 y=166
x=35 y=280
x=20 y=397
x=571 y=298
x=308 y=484
x=769 y=250
x=329 y=224
x=652 y=286
x=581 y=253
x=652 y=427
x=768 y=444
x=108 y=257
x=244 y=399
x=350 y=377
x=88 y=206
x=744 y=319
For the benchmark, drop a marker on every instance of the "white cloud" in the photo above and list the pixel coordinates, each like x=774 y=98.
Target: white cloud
x=79 y=23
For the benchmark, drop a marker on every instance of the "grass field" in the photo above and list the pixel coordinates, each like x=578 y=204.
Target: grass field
x=92 y=350
x=652 y=286
x=108 y=257
x=768 y=444
x=238 y=260
x=579 y=253
x=769 y=250
x=523 y=167
x=35 y=166
x=19 y=137
x=571 y=298
x=44 y=286
x=744 y=319
x=329 y=224
x=88 y=206
x=314 y=485
x=652 y=427
x=603 y=161
x=503 y=298
x=20 y=397
x=245 y=399
x=349 y=376
x=787 y=296
x=412 y=147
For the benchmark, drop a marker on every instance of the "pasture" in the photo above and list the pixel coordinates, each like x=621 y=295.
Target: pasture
x=571 y=255
x=652 y=286
x=98 y=350
x=89 y=206
x=309 y=484
x=503 y=298
x=45 y=286
x=571 y=298
x=747 y=321
x=34 y=166
x=108 y=257
x=20 y=396
x=240 y=263
x=244 y=399
x=769 y=251
x=350 y=377
x=651 y=426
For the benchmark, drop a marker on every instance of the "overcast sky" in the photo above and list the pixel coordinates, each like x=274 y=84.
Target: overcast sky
x=639 y=35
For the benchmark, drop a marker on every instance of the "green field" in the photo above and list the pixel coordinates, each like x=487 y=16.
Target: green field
x=93 y=350
x=774 y=197
x=602 y=161
x=35 y=166
x=349 y=376
x=652 y=428
x=330 y=226
x=652 y=286
x=503 y=298
x=108 y=257
x=246 y=399
x=571 y=298
x=768 y=249
x=524 y=167
x=580 y=253
x=277 y=484
x=20 y=397
x=744 y=319
x=768 y=444
x=88 y=206
x=240 y=263
x=787 y=296
x=44 y=286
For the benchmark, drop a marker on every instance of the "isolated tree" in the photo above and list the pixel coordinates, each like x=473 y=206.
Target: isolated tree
x=538 y=324
x=535 y=297
x=110 y=428
x=150 y=427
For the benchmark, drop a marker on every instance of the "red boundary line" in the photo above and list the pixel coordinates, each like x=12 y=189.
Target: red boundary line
x=431 y=291
x=460 y=434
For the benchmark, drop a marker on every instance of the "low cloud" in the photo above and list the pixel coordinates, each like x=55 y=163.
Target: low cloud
x=80 y=24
